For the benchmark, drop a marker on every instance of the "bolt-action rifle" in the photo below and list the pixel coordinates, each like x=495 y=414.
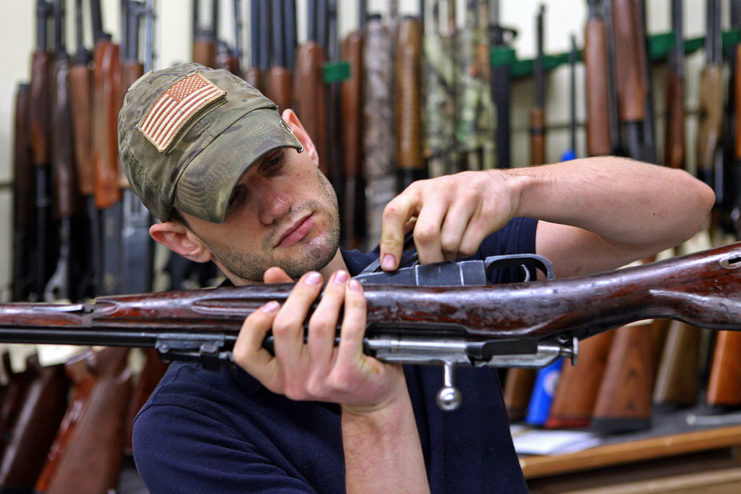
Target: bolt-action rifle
x=442 y=314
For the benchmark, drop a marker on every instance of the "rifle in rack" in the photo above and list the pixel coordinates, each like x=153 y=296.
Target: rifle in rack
x=410 y=161
x=204 y=36
x=106 y=103
x=732 y=207
x=23 y=195
x=537 y=114
x=710 y=120
x=443 y=314
x=501 y=84
x=80 y=81
x=674 y=152
x=40 y=139
x=280 y=77
x=136 y=245
x=66 y=195
x=309 y=92
x=439 y=80
x=597 y=82
x=353 y=193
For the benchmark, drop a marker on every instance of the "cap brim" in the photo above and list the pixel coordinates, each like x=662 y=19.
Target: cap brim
x=206 y=184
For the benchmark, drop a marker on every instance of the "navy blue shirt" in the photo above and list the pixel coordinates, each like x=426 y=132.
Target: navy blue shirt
x=221 y=431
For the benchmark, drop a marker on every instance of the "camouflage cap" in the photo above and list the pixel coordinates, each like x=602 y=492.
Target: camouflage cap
x=187 y=134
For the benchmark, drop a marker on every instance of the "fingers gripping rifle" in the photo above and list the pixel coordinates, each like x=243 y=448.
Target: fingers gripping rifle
x=443 y=314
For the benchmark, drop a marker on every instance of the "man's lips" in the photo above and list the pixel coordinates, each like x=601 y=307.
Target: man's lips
x=297 y=231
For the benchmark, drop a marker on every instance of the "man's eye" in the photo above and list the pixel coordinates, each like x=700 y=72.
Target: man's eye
x=272 y=163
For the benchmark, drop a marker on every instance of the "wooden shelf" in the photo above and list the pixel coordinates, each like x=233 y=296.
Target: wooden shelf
x=631 y=451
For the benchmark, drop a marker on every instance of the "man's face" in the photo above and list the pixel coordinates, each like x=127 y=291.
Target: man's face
x=283 y=213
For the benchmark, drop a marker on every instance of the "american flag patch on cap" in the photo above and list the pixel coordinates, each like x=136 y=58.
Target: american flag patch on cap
x=169 y=114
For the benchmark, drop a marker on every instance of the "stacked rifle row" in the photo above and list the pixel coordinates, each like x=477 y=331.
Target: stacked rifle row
x=66 y=428
x=79 y=229
x=368 y=125
x=79 y=232
x=623 y=374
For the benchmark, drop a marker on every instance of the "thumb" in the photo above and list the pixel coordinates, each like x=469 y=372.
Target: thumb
x=276 y=275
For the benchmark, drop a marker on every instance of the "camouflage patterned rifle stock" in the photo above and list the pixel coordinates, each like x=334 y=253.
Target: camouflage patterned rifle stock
x=475 y=124
x=378 y=114
x=439 y=75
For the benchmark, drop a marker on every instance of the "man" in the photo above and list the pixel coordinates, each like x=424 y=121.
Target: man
x=233 y=182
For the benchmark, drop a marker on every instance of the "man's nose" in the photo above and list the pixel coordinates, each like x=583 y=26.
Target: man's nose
x=273 y=203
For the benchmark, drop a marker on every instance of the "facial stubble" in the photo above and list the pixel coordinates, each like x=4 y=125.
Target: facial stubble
x=317 y=252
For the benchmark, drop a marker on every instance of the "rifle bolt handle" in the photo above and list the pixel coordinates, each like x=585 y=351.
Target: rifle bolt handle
x=449 y=398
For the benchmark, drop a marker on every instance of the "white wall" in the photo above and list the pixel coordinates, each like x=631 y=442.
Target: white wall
x=563 y=17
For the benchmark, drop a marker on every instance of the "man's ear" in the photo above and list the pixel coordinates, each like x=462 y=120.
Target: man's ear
x=178 y=238
x=303 y=137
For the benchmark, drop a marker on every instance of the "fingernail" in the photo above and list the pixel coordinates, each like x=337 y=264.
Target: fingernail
x=270 y=307
x=313 y=278
x=388 y=262
x=355 y=285
x=340 y=277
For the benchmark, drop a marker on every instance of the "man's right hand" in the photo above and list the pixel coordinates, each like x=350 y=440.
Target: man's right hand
x=310 y=366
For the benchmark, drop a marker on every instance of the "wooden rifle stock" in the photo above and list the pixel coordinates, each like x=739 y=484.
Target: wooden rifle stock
x=710 y=123
x=82 y=381
x=353 y=206
x=35 y=427
x=410 y=161
x=630 y=85
x=39 y=111
x=624 y=400
x=14 y=397
x=106 y=101
x=579 y=384
x=631 y=368
x=674 y=136
x=91 y=459
x=597 y=83
x=81 y=94
x=677 y=377
x=725 y=373
x=518 y=387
